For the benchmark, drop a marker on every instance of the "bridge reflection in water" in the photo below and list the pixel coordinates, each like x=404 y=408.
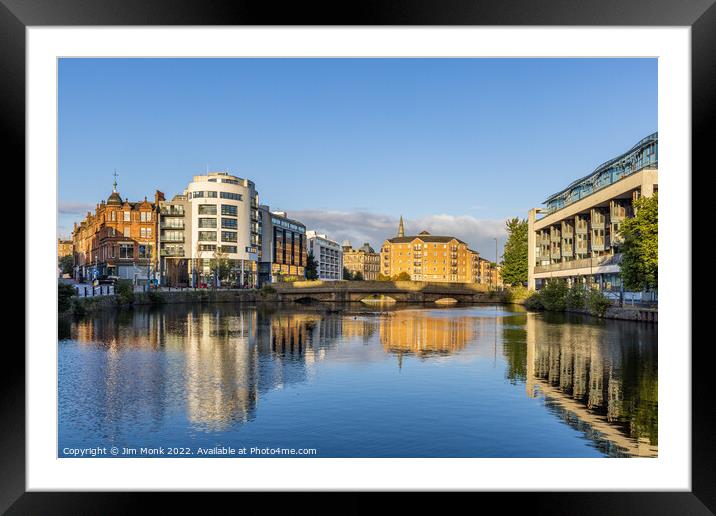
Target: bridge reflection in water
x=216 y=363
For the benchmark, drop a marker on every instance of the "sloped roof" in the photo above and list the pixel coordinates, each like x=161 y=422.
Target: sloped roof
x=114 y=199
x=424 y=237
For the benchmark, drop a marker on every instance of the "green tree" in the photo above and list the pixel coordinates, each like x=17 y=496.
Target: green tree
x=576 y=297
x=554 y=295
x=403 y=276
x=358 y=276
x=66 y=264
x=220 y=265
x=311 y=267
x=347 y=275
x=514 y=258
x=124 y=290
x=640 y=249
x=65 y=293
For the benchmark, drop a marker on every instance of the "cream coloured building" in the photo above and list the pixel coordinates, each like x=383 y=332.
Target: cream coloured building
x=576 y=236
x=426 y=257
x=364 y=260
x=223 y=221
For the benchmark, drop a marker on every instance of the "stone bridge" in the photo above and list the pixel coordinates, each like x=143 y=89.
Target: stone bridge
x=399 y=291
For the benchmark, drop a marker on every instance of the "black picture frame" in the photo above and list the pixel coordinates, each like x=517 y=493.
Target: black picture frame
x=16 y=15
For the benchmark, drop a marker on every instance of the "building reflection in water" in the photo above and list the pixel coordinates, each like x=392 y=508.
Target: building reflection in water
x=223 y=359
x=599 y=376
x=422 y=334
x=216 y=362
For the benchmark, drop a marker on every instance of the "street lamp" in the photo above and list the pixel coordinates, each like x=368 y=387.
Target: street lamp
x=149 y=264
x=495 y=262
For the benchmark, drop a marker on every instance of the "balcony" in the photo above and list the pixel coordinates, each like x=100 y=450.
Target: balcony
x=172 y=252
x=172 y=211
x=174 y=224
x=164 y=238
x=599 y=261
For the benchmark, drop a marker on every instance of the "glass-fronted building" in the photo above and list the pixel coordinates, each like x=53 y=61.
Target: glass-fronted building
x=576 y=235
x=283 y=247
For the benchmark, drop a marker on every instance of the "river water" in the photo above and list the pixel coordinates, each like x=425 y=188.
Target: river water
x=356 y=381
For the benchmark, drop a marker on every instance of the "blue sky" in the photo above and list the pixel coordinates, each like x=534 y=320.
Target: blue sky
x=348 y=145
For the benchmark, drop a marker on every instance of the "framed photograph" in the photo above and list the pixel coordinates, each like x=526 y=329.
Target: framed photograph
x=416 y=250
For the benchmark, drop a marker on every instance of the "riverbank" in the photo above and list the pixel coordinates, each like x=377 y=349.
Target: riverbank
x=86 y=305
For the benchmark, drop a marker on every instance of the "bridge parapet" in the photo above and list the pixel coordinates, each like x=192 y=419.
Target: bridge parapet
x=400 y=291
x=381 y=287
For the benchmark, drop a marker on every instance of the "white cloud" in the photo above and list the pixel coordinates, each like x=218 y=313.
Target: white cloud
x=361 y=226
x=74 y=208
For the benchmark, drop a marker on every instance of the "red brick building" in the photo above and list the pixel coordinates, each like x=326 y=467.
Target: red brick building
x=119 y=239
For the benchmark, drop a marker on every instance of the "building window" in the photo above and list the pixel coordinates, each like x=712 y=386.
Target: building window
x=145 y=216
x=126 y=216
x=229 y=223
x=127 y=232
x=228 y=249
x=207 y=236
x=173 y=236
x=145 y=232
x=228 y=209
x=207 y=247
x=126 y=250
x=229 y=236
x=230 y=195
x=207 y=223
x=207 y=209
x=211 y=194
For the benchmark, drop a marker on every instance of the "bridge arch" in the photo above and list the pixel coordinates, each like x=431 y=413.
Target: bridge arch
x=308 y=300
x=377 y=299
x=446 y=301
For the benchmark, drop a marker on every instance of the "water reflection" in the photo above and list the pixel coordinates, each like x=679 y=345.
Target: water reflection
x=596 y=375
x=418 y=332
x=185 y=372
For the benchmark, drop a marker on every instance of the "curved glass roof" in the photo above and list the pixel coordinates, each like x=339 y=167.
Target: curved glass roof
x=642 y=155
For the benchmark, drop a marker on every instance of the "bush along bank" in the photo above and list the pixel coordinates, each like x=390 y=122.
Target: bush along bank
x=557 y=296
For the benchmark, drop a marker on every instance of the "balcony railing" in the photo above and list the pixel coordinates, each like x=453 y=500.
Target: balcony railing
x=168 y=211
x=174 y=224
x=164 y=238
x=599 y=261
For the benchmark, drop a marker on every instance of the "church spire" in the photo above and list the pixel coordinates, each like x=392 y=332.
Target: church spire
x=401 y=228
x=114 y=185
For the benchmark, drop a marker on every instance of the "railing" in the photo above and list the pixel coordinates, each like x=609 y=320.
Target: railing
x=599 y=261
x=92 y=291
x=169 y=212
x=174 y=224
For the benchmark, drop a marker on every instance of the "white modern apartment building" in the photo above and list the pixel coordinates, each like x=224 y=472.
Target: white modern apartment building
x=576 y=235
x=328 y=254
x=223 y=224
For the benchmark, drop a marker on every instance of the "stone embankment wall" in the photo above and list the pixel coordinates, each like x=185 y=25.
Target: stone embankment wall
x=93 y=304
x=188 y=296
